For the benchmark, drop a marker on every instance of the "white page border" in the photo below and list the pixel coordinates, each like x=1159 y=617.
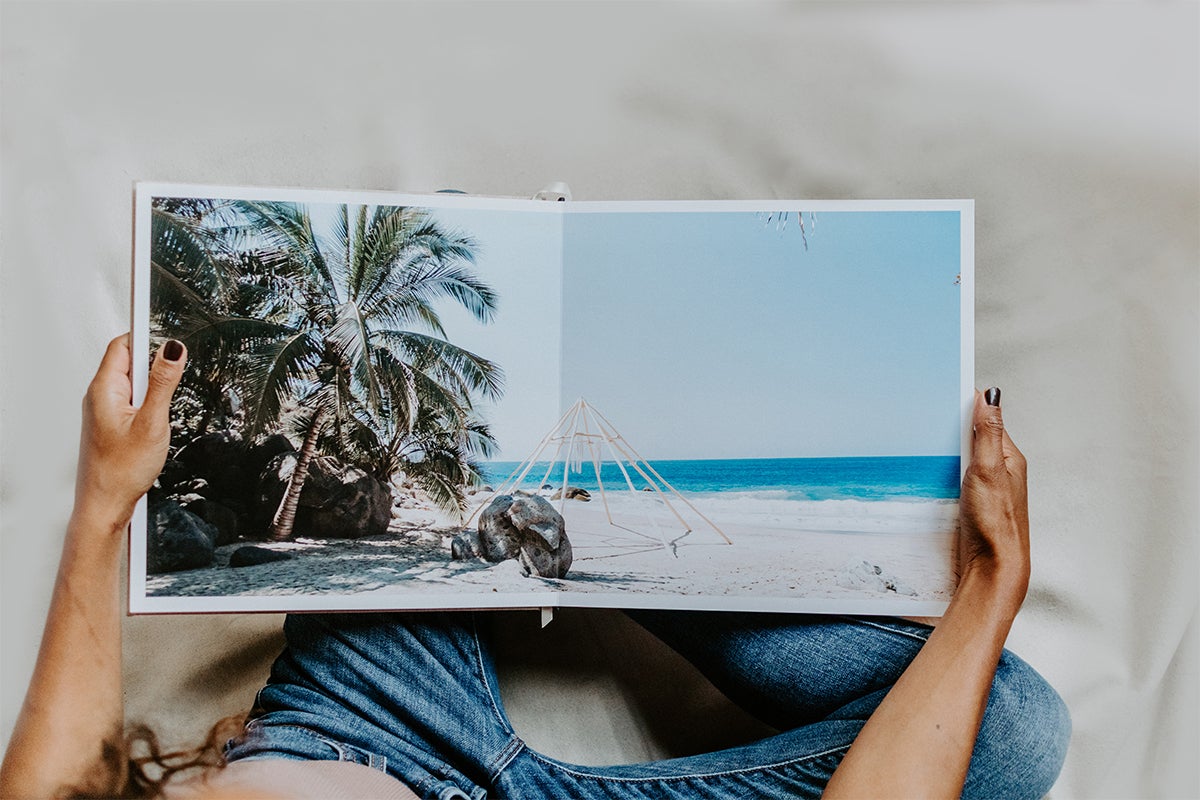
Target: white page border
x=140 y=603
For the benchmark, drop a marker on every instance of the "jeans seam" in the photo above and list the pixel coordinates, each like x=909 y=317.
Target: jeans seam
x=344 y=750
x=483 y=677
x=510 y=752
x=678 y=778
x=515 y=744
x=888 y=628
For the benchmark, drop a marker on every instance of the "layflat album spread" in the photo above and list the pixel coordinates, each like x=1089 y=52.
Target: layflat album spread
x=442 y=401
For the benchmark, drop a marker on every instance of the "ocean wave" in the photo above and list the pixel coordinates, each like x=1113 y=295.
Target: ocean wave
x=900 y=479
x=776 y=509
x=809 y=495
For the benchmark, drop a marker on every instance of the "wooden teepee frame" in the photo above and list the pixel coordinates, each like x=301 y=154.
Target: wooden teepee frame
x=582 y=434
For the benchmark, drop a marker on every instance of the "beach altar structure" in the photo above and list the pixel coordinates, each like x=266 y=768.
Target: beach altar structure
x=582 y=435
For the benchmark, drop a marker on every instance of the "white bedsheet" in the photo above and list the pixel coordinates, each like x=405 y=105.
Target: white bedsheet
x=1074 y=126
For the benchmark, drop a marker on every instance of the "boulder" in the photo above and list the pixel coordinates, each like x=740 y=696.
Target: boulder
x=221 y=517
x=338 y=501
x=217 y=458
x=258 y=456
x=172 y=473
x=196 y=486
x=466 y=545
x=573 y=493
x=521 y=526
x=177 y=539
x=251 y=556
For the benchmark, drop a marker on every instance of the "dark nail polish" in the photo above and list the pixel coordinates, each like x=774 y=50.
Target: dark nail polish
x=992 y=396
x=172 y=350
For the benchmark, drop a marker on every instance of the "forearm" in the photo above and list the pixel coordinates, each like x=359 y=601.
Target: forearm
x=74 y=701
x=918 y=742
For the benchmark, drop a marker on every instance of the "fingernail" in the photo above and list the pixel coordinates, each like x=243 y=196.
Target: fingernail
x=992 y=396
x=172 y=350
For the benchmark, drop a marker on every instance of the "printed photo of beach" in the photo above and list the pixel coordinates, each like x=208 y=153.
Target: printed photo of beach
x=447 y=402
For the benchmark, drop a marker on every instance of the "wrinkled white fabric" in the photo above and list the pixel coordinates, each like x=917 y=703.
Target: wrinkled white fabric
x=1074 y=127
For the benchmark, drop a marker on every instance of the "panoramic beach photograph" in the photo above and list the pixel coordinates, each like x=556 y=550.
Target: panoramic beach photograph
x=449 y=402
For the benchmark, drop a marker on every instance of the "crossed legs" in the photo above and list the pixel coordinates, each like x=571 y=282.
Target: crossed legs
x=416 y=694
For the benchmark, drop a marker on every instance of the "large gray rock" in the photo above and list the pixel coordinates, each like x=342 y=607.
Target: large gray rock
x=521 y=526
x=573 y=493
x=172 y=473
x=223 y=519
x=338 y=501
x=196 y=486
x=250 y=556
x=258 y=456
x=177 y=539
x=217 y=458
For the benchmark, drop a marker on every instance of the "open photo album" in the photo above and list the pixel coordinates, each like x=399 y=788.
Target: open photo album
x=442 y=401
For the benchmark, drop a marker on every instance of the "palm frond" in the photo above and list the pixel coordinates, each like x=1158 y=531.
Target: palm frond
x=291 y=247
x=342 y=317
x=446 y=361
x=184 y=249
x=219 y=346
x=351 y=340
x=174 y=300
x=402 y=401
x=274 y=373
x=405 y=311
x=429 y=397
x=478 y=442
x=389 y=235
x=429 y=280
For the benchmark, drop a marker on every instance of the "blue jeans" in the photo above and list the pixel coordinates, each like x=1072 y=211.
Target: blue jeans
x=416 y=695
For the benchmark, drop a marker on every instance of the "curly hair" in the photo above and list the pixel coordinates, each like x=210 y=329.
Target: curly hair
x=132 y=764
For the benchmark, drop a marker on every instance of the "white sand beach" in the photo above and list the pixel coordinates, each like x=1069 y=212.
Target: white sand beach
x=780 y=551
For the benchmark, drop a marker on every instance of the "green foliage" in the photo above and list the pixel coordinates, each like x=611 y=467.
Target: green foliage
x=283 y=320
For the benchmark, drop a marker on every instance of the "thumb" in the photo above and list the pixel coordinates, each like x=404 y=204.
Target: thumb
x=165 y=373
x=988 y=450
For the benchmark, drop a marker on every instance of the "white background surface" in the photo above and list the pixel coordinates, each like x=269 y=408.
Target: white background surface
x=1073 y=125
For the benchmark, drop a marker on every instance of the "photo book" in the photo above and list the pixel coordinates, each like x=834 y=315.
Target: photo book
x=443 y=401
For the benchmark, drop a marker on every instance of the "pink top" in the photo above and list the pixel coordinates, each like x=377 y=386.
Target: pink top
x=295 y=780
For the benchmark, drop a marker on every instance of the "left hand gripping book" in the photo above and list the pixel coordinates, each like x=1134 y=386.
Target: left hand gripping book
x=442 y=401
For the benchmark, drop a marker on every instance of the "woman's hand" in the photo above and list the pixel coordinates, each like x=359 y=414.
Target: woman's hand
x=123 y=448
x=72 y=710
x=918 y=742
x=993 y=540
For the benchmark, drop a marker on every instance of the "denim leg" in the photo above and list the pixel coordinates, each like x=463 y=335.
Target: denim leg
x=793 y=670
x=1023 y=740
x=790 y=765
x=415 y=692
x=789 y=670
x=416 y=695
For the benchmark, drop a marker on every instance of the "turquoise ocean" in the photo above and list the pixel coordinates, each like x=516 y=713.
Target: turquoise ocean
x=863 y=479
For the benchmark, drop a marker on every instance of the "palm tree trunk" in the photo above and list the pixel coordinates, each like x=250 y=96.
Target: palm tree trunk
x=285 y=516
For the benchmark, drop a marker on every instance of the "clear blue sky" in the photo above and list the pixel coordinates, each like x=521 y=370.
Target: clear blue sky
x=520 y=256
x=713 y=335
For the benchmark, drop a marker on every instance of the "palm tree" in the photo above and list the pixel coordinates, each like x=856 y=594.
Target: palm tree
x=196 y=280
x=334 y=328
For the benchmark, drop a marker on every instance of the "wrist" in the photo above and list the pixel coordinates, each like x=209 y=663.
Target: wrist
x=99 y=517
x=998 y=590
